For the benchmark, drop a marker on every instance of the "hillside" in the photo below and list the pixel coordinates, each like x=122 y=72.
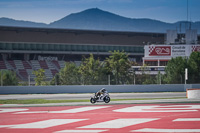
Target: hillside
x=20 y=23
x=96 y=19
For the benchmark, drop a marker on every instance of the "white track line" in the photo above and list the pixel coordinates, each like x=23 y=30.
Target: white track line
x=74 y=110
x=43 y=124
x=81 y=109
x=2 y=110
x=167 y=130
x=80 y=131
x=120 y=123
x=187 y=119
x=31 y=112
x=158 y=108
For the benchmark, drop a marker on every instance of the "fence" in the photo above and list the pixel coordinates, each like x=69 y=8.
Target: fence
x=111 y=80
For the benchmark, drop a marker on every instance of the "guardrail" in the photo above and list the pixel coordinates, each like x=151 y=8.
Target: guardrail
x=95 y=88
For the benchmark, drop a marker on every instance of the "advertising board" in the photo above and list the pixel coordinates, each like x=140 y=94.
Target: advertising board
x=170 y=50
x=159 y=51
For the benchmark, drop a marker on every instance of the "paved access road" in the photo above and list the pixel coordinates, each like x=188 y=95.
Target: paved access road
x=102 y=119
x=87 y=96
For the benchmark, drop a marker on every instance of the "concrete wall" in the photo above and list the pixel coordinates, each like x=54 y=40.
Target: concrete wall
x=94 y=88
x=193 y=93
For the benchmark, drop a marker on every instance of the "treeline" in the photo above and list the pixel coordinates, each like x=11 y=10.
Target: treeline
x=8 y=78
x=175 y=70
x=115 y=70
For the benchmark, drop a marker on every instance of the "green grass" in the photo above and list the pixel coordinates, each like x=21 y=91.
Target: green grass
x=43 y=101
x=38 y=101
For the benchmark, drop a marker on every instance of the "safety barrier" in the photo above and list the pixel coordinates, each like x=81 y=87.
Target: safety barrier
x=193 y=93
x=94 y=88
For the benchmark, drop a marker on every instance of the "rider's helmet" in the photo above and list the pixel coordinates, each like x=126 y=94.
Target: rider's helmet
x=103 y=89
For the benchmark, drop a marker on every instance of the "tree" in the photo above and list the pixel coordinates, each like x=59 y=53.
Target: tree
x=8 y=78
x=56 y=80
x=69 y=75
x=194 y=67
x=145 y=77
x=118 y=65
x=175 y=70
x=149 y=79
x=40 y=77
x=92 y=71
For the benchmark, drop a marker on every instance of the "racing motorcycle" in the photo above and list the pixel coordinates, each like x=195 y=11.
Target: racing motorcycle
x=103 y=98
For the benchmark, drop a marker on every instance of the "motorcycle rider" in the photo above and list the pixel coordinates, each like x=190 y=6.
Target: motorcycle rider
x=101 y=93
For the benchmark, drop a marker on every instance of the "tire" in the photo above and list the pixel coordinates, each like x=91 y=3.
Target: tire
x=93 y=100
x=106 y=99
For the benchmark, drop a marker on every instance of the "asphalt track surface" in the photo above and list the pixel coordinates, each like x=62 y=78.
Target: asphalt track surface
x=121 y=118
x=176 y=114
x=128 y=98
x=88 y=95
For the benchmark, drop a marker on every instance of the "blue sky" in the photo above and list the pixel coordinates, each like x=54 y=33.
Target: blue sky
x=47 y=11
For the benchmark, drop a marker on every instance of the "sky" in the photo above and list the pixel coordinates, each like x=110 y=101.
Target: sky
x=47 y=11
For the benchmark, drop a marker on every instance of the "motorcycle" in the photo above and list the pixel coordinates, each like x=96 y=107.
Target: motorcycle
x=103 y=98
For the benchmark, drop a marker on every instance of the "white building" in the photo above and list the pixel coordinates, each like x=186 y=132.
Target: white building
x=156 y=56
x=159 y=55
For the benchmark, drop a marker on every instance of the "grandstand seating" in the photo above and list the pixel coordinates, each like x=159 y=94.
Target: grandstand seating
x=18 y=64
x=43 y=64
x=51 y=65
x=23 y=73
x=8 y=66
x=35 y=64
x=56 y=64
x=2 y=65
x=78 y=63
x=24 y=69
x=61 y=63
x=12 y=63
x=30 y=72
x=54 y=71
x=26 y=65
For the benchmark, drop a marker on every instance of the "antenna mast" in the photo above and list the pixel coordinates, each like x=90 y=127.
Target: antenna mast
x=187 y=10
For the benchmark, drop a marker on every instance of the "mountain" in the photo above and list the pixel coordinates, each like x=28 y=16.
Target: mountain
x=20 y=23
x=96 y=19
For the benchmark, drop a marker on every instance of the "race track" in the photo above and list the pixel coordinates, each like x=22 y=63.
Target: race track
x=124 y=118
x=87 y=96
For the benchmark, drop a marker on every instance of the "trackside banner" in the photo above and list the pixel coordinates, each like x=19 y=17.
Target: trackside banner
x=170 y=50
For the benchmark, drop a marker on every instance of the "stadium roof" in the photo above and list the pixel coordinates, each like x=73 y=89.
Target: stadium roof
x=78 y=31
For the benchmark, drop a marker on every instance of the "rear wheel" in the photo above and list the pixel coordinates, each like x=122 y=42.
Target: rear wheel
x=106 y=99
x=93 y=100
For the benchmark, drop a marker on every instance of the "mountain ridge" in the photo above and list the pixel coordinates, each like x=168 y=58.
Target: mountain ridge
x=97 y=19
x=12 y=22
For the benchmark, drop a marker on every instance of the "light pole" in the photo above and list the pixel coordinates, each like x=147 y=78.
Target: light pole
x=181 y=78
x=160 y=78
x=29 y=80
x=1 y=78
x=109 y=79
x=186 y=75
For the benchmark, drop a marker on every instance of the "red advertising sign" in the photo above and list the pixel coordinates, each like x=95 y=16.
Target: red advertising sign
x=195 y=48
x=159 y=50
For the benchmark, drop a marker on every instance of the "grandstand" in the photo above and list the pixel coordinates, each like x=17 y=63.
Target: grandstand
x=24 y=50
x=25 y=68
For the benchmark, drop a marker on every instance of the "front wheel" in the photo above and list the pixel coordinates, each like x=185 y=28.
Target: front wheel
x=93 y=100
x=106 y=99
